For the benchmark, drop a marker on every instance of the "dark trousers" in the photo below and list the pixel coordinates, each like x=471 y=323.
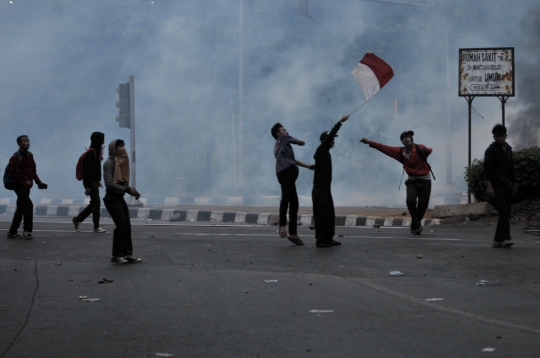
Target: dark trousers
x=289 y=198
x=418 y=193
x=118 y=209
x=93 y=208
x=25 y=208
x=323 y=214
x=502 y=201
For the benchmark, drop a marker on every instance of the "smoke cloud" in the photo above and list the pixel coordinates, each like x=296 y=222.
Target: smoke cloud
x=61 y=61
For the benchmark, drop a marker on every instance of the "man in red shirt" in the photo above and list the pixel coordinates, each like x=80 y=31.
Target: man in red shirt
x=23 y=172
x=414 y=160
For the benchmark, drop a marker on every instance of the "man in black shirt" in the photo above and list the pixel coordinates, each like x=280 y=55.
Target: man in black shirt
x=501 y=184
x=323 y=203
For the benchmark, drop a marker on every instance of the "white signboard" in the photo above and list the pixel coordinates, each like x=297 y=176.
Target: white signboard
x=486 y=71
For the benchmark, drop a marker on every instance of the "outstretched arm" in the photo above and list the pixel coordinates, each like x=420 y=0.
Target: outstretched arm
x=307 y=166
x=299 y=142
x=392 y=152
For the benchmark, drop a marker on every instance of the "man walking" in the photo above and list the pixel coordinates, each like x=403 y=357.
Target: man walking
x=22 y=169
x=323 y=203
x=287 y=173
x=414 y=159
x=116 y=176
x=501 y=183
x=92 y=182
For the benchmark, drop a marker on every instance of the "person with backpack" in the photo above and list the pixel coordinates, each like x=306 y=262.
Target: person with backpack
x=89 y=171
x=116 y=176
x=414 y=159
x=19 y=177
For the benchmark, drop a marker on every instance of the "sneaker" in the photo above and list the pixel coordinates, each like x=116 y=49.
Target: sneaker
x=27 y=235
x=497 y=244
x=507 y=243
x=75 y=224
x=132 y=260
x=13 y=236
x=100 y=230
x=118 y=260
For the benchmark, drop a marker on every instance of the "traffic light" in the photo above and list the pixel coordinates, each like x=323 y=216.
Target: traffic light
x=303 y=8
x=124 y=116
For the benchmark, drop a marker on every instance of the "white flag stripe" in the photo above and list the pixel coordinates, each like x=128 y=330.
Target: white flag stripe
x=367 y=80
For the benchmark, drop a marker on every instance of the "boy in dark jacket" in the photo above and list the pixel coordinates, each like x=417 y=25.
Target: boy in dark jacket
x=414 y=160
x=501 y=183
x=323 y=204
x=23 y=172
x=92 y=182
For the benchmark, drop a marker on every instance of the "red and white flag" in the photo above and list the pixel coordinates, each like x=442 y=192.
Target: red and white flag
x=372 y=73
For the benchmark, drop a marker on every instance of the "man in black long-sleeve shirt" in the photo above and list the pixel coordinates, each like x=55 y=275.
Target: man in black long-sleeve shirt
x=92 y=182
x=501 y=183
x=323 y=203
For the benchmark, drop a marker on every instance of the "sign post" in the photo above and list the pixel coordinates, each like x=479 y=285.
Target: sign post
x=487 y=72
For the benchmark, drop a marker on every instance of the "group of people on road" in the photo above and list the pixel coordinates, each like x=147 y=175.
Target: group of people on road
x=22 y=173
x=498 y=170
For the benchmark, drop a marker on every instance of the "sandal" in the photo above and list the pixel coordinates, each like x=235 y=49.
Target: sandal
x=282 y=234
x=295 y=240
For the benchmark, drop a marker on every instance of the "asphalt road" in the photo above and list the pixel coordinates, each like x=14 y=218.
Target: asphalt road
x=241 y=291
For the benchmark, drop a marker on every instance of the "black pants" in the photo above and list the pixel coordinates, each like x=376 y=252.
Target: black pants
x=118 y=209
x=323 y=214
x=93 y=208
x=25 y=208
x=418 y=193
x=289 y=198
x=502 y=201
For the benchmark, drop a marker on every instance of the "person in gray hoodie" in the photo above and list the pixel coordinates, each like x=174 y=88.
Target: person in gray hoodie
x=116 y=176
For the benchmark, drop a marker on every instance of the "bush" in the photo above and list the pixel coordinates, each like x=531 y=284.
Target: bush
x=527 y=166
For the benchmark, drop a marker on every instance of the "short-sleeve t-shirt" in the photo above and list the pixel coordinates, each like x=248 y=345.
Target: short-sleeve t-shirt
x=284 y=153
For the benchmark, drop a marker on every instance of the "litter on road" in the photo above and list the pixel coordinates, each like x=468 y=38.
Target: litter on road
x=164 y=355
x=488 y=349
x=321 y=311
x=104 y=280
x=433 y=299
x=395 y=273
x=91 y=299
x=270 y=280
x=488 y=283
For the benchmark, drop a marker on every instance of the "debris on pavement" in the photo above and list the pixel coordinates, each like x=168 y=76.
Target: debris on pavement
x=270 y=280
x=321 y=311
x=418 y=256
x=164 y=355
x=104 y=280
x=82 y=297
x=91 y=299
x=488 y=283
x=488 y=349
x=433 y=299
x=57 y=262
x=395 y=273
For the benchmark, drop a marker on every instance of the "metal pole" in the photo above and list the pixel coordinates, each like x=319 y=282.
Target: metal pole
x=234 y=153
x=241 y=94
x=132 y=128
x=503 y=100
x=469 y=100
x=133 y=167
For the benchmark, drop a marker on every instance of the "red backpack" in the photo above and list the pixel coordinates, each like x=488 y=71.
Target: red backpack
x=79 y=169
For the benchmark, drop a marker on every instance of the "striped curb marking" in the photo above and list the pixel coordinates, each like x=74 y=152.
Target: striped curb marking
x=217 y=216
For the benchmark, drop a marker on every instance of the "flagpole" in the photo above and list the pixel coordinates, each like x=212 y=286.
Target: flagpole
x=358 y=108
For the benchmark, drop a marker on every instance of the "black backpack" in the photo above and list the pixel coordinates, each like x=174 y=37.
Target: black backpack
x=8 y=179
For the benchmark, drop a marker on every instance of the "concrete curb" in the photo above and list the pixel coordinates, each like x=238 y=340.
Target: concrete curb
x=218 y=216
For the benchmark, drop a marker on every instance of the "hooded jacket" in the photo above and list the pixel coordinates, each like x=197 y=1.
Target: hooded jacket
x=108 y=173
x=92 y=160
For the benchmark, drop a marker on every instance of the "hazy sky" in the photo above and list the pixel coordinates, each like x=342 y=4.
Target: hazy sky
x=62 y=60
